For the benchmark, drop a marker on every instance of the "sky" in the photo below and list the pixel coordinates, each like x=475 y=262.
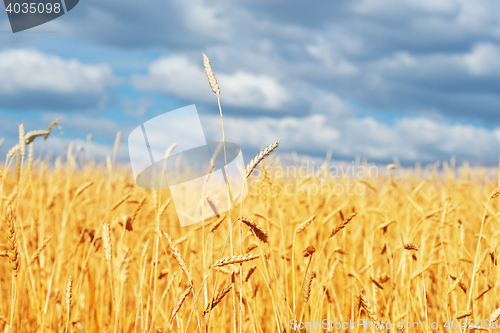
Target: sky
x=412 y=79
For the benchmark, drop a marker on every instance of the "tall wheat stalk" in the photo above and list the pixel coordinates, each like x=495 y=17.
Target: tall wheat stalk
x=215 y=88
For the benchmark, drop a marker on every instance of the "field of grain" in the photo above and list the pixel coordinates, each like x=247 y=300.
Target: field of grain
x=405 y=250
x=84 y=249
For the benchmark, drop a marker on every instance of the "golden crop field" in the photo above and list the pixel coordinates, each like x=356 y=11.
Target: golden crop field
x=86 y=250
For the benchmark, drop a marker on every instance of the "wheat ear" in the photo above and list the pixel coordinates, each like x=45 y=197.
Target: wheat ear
x=108 y=250
x=307 y=286
x=365 y=304
x=217 y=299
x=38 y=251
x=494 y=316
x=260 y=233
x=455 y=283
x=235 y=259
x=13 y=252
x=304 y=224
x=69 y=298
x=462 y=314
x=138 y=209
x=119 y=202
x=210 y=75
x=250 y=272
x=342 y=225
x=50 y=128
x=178 y=256
x=125 y=264
x=22 y=141
x=411 y=246
x=257 y=159
x=179 y=303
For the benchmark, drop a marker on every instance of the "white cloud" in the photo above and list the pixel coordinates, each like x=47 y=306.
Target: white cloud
x=247 y=89
x=175 y=75
x=204 y=19
x=329 y=104
x=23 y=70
x=312 y=131
x=410 y=139
x=427 y=6
x=178 y=76
x=483 y=60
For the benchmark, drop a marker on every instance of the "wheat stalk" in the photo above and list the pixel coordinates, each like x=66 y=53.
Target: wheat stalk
x=217 y=224
x=304 y=224
x=30 y=156
x=69 y=298
x=217 y=299
x=249 y=273
x=119 y=202
x=462 y=314
x=13 y=151
x=495 y=314
x=307 y=286
x=179 y=303
x=365 y=304
x=230 y=202
x=28 y=139
x=212 y=161
x=82 y=188
x=342 y=225
x=260 y=233
x=50 y=128
x=251 y=247
x=257 y=159
x=411 y=246
x=39 y=250
x=13 y=250
x=178 y=256
x=455 y=283
x=210 y=75
x=32 y=135
x=235 y=259
x=138 y=209
x=125 y=263
x=22 y=141
x=106 y=238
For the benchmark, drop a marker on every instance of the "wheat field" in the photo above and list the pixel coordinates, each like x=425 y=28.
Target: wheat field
x=82 y=251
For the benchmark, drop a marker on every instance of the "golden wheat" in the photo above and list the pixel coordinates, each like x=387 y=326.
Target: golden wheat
x=235 y=259
x=257 y=159
x=109 y=224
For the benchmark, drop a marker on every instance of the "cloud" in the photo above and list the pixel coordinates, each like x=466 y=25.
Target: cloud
x=131 y=24
x=410 y=139
x=422 y=6
x=32 y=79
x=79 y=125
x=483 y=60
x=179 y=77
x=339 y=47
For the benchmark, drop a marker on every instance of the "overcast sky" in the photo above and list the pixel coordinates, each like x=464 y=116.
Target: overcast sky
x=416 y=79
